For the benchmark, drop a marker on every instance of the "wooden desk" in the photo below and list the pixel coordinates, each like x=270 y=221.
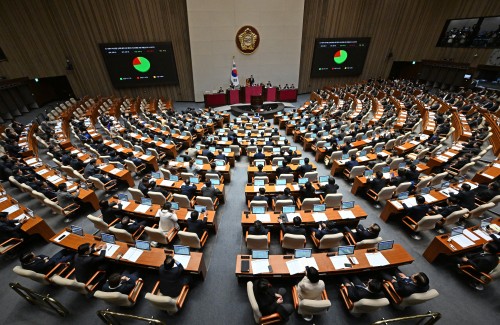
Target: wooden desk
x=271 y=171
x=396 y=256
x=272 y=190
x=122 y=175
x=441 y=159
x=204 y=169
x=176 y=188
x=247 y=220
x=149 y=160
x=440 y=246
x=492 y=170
x=152 y=259
x=339 y=165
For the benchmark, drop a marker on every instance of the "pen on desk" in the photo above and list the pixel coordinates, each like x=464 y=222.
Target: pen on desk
x=453 y=247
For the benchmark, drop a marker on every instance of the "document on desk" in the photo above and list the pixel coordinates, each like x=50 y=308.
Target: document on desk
x=296 y=187
x=141 y=208
x=339 y=262
x=496 y=165
x=31 y=161
x=220 y=168
x=290 y=216
x=398 y=205
x=3 y=199
x=43 y=171
x=319 y=216
x=442 y=158
x=376 y=259
x=124 y=204
x=462 y=241
x=470 y=235
x=256 y=188
x=11 y=209
x=448 y=191
x=264 y=217
x=145 y=157
x=183 y=259
x=482 y=234
x=172 y=163
x=363 y=158
x=279 y=188
x=115 y=171
x=111 y=249
x=132 y=254
x=449 y=154
x=167 y=183
x=410 y=202
x=488 y=175
x=54 y=179
x=298 y=265
x=429 y=198
x=260 y=266
x=346 y=214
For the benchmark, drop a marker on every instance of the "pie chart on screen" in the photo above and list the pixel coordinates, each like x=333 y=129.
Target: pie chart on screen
x=340 y=56
x=141 y=64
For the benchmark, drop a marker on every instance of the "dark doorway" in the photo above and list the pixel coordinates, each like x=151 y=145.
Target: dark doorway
x=49 y=89
x=405 y=70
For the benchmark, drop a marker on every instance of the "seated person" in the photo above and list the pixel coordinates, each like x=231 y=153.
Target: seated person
x=168 y=218
x=122 y=283
x=257 y=229
x=90 y=169
x=466 y=198
x=452 y=206
x=136 y=161
x=399 y=178
x=484 y=261
x=363 y=233
x=145 y=186
x=301 y=170
x=75 y=163
x=261 y=196
x=307 y=191
x=296 y=229
x=412 y=175
x=405 y=285
x=210 y=191
x=42 y=263
x=259 y=154
x=86 y=264
x=171 y=277
x=108 y=213
x=10 y=228
x=64 y=197
x=331 y=187
x=310 y=287
x=357 y=289
x=103 y=178
x=285 y=196
x=221 y=156
x=270 y=300
x=195 y=225
x=351 y=163
x=131 y=226
x=188 y=189
x=327 y=228
x=213 y=170
x=486 y=193
x=284 y=169
x=259 y=171
x=418 y=211
x=378 y=183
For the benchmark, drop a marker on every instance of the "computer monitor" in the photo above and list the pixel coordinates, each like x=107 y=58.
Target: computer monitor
x=174 y=178
x=194 y=180
x=260 y=254
x=143 y=245
x=77 y=230
x=323 y=179
x=340 y=142
x=486 y=222
x=280 y=163
x=425 y=190
x=258 y=182
x=385 y=244
x=345 y=156
x=288 y=209
x=120 y=166
x=445 y=185
x=174 y=205
x=181 y=250
x=198 y=162
x=276 y=150
x=319 y=208
x=220 y=163
x=364 y=137
x=461 y=179
x=347 y=205
x=212 y=149
x=386 y=169
x=302 y=181
x=415 y=162
x=149 y=153
x=29 y=212
x=368 y=173
x=156 y=138
x=293 y=148
x=225 y=139
x=362 y=153
x=123 y=197
x=280 y=182
x=346 y=250
x=215 y=181
x=402 y=165
x=379 y=149
x=227 y=150
x=258 y=210
x=146 y=201
x=179 y=159
x=200 y=208
x=403 y=195
x=303 y=252
x=455 y=231
x=108 y=238
x=156 y=175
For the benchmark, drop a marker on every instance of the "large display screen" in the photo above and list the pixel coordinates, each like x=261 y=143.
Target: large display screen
x=335 y=57
x=471 y=32
x=140 y=64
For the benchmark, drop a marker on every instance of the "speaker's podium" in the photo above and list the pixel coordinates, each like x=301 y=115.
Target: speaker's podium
x=249 y=91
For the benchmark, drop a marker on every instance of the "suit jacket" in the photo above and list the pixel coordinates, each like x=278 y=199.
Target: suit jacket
x=143 y=188
x=309 y=290
x=189 y=191
x=330 y=188
x=171 y=280
x=197 y=226
x=377 y=184
x=293 y=230
x=326 y=231
x=357 y=292
x=483 y=262
x=259 y=155
x=86 y=265
x=412 y=176
x=285 y=197
x=39 y=265
x=405 y=287
x=267 y=302
x=416 y=212
x=466 y=199
x=306 y=194
x=304 y=169
x=284 y=170
x=211 y=192
x=125 y=287
x=446 y=211
x=362 y=233
x=350 y=164
x=255 y=231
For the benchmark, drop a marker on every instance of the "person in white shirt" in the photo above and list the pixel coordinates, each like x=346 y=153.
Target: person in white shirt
x=168 y=218
x=310 y=287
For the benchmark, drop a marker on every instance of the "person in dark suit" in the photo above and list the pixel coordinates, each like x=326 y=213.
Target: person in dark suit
x=452 y=206
x=108 y=213
x=43 y=263
x=378 y=183
x=188 y=189
x=86 y=263
x=221 y=156
x=75 y=163
x=257 y=229
x=260 y=167
x=331 y=187
x=10 y=228
x=412 y=175
x=466 y=198
x=307 y=191
x=122 y=283
x=418 y=211
x=210 y=191
x=363 y=233
x=131 y=226
x=357 y=289
x=195 y=225
x=405 y=285
x=485 y=194
x=270 y=300
x=259 y=154
x=171 y=277
x=285 y=196
x=145 y=186
x=301 y=170
x=484 y=261
x=285 y=169
x=296 y=229
x=327 y=228
x=351 y=163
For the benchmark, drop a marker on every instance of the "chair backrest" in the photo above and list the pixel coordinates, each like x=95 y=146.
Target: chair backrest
x=368 y=243
x=189 y=239
x=122 y=235
x=418 y=298
x=183 y=200
x=365 y=305
x=378 y=167
x=253 y=302
x=204 y=159
x=336 y=155
x=428 y=222
x=437 y=179
x=157 y=197
x=309 y=203
x=279 y=204
x=311 y=176
x=477 y=212
x=236 y=149
x=259 y=203
x=313 y=307
x=423 y=183
x=186 y=176
x=455 y=216
x=38 y=277
x=39 y=196
x=156 y=235
x=289 y=177
x=130 y=165
x=97 y=183
x=386 y=193
x=352 y=152
x=98 y=223
x=330 y=241
x=15 y=182
x=210 y=176
x=395 y=163
x=257 y=242
x=71 y=284
x=390 y=144
x=402 y=187
x=333 y=200
x=465 y=169
x=166 y=173
x=291 y=241
x=422 y=154
x=54 y=206
x=114 y=298
x=356 y=171
x=161 y=302
x=136 y=194
x=296 y=160
x=206 y=201
x=264 y=178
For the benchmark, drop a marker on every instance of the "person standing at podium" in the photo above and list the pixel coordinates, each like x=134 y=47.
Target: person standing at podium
x=251 y=79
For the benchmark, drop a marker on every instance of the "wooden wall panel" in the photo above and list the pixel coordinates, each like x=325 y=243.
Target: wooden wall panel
x=409 y=29
x=37 y=36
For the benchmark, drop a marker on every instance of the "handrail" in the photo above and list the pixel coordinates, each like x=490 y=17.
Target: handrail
x=108 y=317
x=433 y=318
x=35 y=298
